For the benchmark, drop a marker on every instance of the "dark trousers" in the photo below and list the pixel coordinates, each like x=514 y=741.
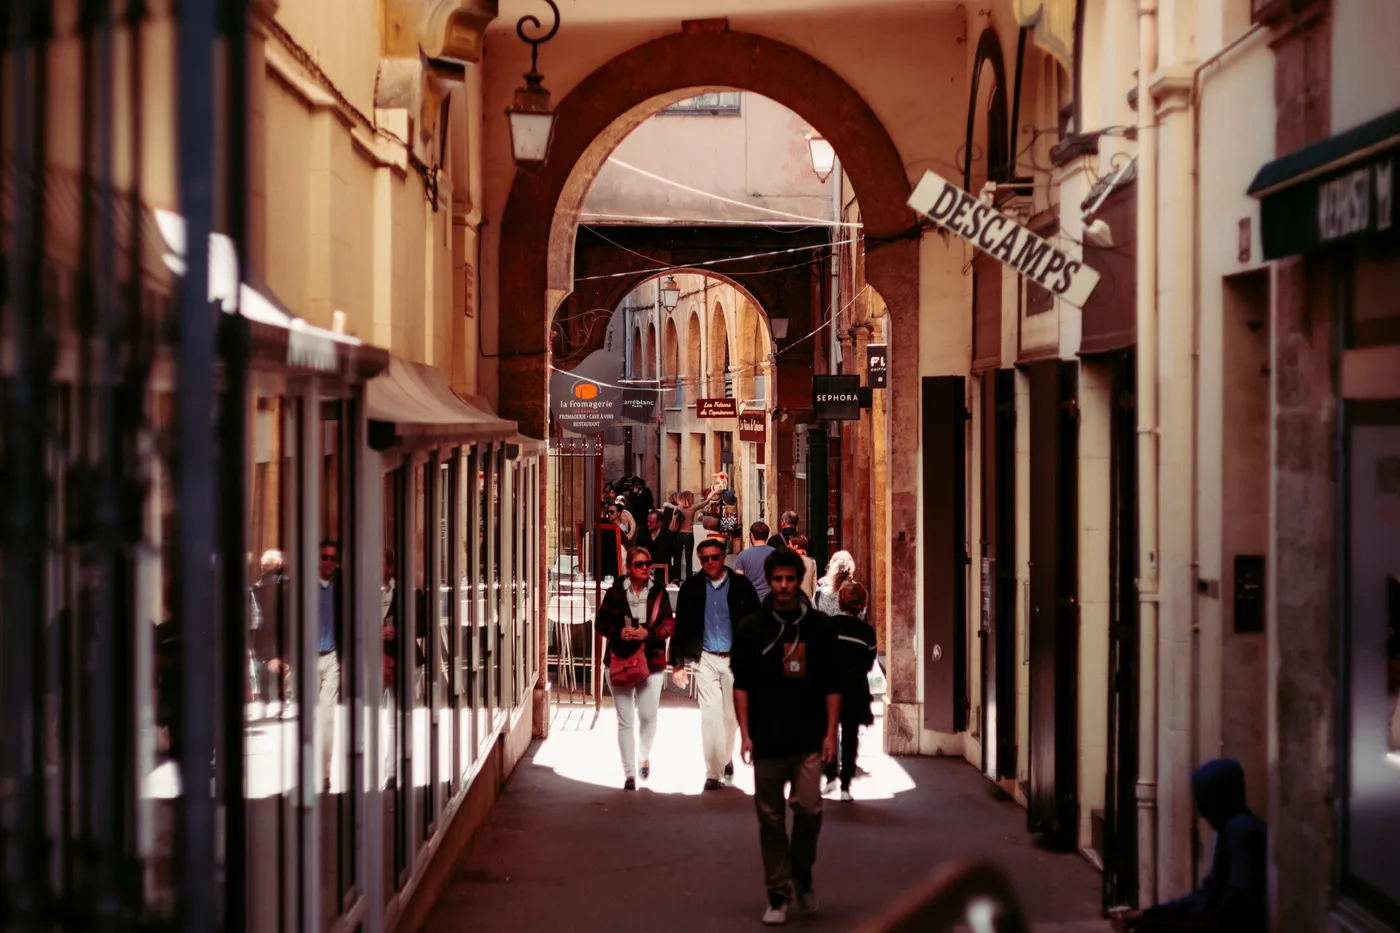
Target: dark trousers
x=784 y=861
x=849 y=738
x=686 y=555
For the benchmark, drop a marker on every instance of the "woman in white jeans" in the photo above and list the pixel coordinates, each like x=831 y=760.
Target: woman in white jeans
x=635 y=615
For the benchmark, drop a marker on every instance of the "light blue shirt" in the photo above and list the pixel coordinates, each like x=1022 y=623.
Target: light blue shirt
x=719 y=628
x=750 y=564
x=326 y=617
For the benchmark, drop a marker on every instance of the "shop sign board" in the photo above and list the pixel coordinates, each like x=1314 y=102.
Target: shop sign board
x=639 y=404
x=877 y=365
x=1002 y=238
x=836 y=398
x=1356 y=202
x=583 y=405
x=716 y=408
x=752 y=426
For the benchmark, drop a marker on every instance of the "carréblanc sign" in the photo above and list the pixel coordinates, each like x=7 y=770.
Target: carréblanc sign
x=1003 y=238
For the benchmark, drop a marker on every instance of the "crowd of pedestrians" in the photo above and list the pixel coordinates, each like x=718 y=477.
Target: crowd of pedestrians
x=778 y=659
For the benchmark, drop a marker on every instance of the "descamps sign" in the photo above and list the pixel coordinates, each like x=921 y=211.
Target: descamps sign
x=1003 y=238
x=836 y=398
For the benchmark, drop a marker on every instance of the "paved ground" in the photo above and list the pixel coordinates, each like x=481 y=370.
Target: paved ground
x=565 y=843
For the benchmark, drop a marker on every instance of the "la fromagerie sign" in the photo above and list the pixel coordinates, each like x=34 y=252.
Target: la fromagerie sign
x=1003 y=238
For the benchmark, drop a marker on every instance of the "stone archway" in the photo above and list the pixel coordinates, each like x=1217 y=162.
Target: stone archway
x=601 y=110
x=540 y=222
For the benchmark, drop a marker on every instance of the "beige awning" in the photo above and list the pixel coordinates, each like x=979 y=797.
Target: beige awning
x=421 y=405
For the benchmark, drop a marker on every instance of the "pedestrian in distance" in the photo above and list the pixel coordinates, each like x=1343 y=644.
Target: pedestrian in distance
x=635 y=617
x=809 y=575
x=787 y=695
x=787 y=527
x=839 y=571
x=750 y=560
x=855 y=653
x=708 y=609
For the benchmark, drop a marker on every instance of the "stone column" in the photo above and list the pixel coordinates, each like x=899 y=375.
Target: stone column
x=858 y=456
x=1177 y=677
x=850 y=502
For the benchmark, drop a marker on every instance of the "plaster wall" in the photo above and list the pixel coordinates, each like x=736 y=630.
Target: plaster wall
x=1365 y=81
x=1236 y=117
x=758 y=156
x=1095 y=528
x=346 y=223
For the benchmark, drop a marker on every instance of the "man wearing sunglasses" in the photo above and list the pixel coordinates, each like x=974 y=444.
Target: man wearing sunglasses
x=708 y=609
x=328 y=663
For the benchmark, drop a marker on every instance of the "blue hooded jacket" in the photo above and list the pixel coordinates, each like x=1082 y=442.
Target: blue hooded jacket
x=1234 y=895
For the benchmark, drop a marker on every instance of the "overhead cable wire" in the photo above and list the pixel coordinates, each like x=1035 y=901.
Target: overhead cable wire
x=712 y=262
x=698 y=380
x=719 y=197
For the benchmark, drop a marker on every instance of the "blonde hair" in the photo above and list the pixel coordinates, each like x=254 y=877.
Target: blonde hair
x=841 y=568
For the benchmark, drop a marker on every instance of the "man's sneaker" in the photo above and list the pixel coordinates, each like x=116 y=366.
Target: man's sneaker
x=846 y=795
x=646 y=772
x=806 y=900
x=629 y=784
x=831 y=782
x=729 y=773
x=775 y=916
x=712 y=784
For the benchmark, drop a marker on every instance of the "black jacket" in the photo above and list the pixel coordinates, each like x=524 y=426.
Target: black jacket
x=855 y=653
x=690 y=613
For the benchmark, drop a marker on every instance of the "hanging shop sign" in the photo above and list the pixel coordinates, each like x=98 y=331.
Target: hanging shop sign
x=639 y=404
x=582 y=405
x=1002 y=238
x=877 y=365
x=716 y=408
x=836 y=398
x=752 y=426
x=1299 y=215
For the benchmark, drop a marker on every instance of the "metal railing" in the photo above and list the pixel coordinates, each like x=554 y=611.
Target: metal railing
x=973 y=895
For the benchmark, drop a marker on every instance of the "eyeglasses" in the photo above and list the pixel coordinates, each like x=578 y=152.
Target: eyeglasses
x=708 y=558
x=641 y=563
x=329 y=557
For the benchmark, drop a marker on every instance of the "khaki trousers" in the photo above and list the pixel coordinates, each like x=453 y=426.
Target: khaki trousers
x=714 y=689
x=784 y=861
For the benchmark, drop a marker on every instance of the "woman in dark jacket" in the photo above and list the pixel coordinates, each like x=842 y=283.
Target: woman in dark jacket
x=635 y=615
x=855 y=653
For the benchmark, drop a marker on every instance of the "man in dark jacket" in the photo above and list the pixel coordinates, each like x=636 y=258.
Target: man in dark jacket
x=855 y=652
x=1233 y=897
x=658 y=540
x=709 y=607
x=787 y=691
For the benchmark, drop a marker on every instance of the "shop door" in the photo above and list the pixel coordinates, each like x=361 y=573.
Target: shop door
x=1120 y=814
x=1054 y=610
x=998 y=577
x=835 y=529
x=818 y=504
x=945 y=556
x=584 y=550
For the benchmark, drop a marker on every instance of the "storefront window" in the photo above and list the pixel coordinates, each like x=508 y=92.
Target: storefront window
x=272 y=735
x=444 y=697
x=422 y=746
x=1372 y=611
x=467 y=642
x=394 y=612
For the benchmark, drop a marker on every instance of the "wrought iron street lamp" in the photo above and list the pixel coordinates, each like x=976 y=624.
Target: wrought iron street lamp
x=531 y=119
x=823 y=155
x=670 y=293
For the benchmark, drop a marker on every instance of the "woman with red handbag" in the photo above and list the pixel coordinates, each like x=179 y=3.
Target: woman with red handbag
x=635 y=617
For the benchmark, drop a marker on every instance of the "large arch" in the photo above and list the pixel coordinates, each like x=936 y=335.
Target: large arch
x=604 y=107
x=540 y=221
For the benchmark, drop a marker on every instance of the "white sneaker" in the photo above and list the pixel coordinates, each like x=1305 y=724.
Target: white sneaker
x=775 y=916
x=846 y=795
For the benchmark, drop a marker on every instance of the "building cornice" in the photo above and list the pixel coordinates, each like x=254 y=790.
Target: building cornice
x=1171 y=90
